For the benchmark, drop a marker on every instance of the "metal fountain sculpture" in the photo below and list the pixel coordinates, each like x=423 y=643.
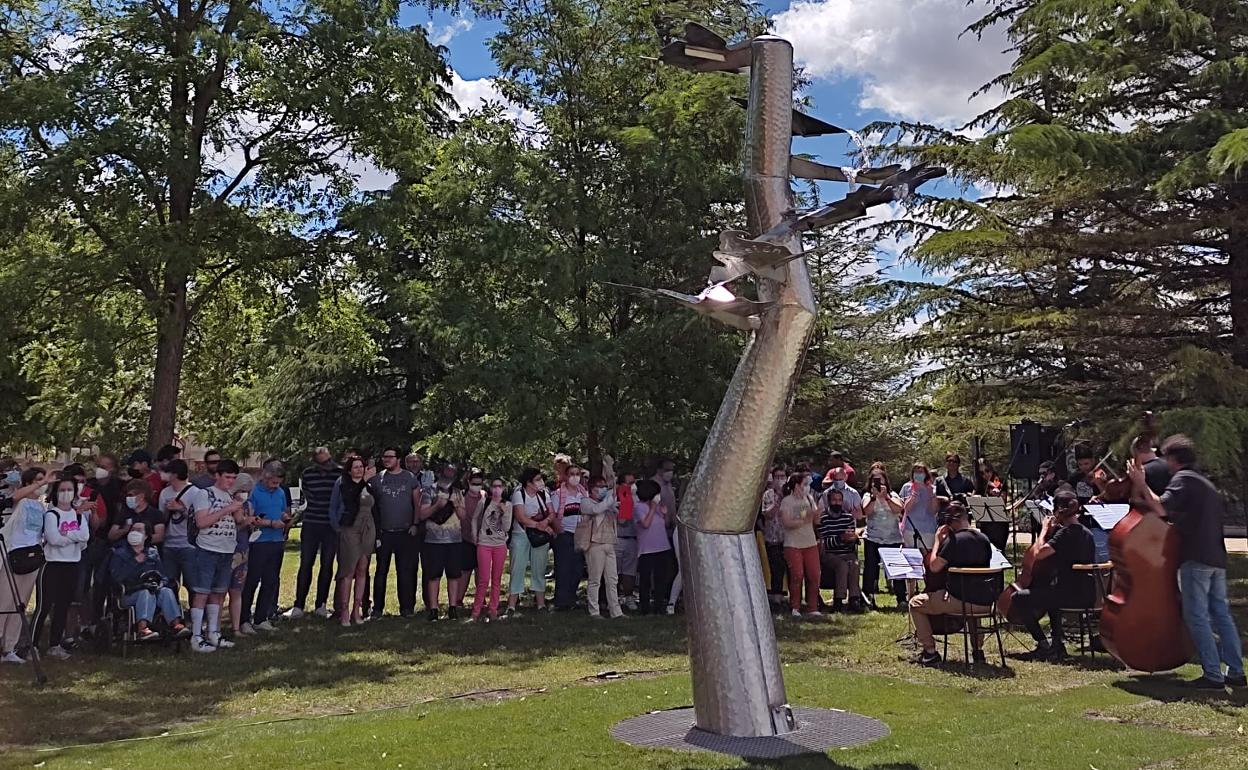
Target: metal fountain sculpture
x=738 y=686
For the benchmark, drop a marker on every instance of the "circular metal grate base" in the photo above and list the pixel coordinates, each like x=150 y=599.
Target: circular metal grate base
x=817 y=731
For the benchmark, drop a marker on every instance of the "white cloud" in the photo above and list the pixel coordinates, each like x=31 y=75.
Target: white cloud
x=474 y=94
x=441 y=35
x=910 y=55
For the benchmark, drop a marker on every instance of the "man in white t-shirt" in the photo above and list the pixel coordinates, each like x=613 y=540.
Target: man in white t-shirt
x=215 y=538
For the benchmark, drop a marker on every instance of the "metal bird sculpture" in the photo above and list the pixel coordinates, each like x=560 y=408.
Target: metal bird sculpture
x=739 y=255
x=803 y=124
x=738 y=313
x=702 y=50
x=854 y=205
x=804 y=168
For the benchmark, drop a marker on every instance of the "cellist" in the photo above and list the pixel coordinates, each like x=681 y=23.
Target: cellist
x=1195 y=508
x=1063 y=542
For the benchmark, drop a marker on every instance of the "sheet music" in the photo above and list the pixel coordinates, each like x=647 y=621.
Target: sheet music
x=1108 y=515
x=1039 y=509
x=985 y=508
x=998 y=559
x=902 y=563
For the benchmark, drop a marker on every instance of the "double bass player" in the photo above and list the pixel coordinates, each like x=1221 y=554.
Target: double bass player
x=1193 y=505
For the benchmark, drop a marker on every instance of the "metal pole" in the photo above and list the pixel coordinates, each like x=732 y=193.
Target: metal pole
x=738 y=686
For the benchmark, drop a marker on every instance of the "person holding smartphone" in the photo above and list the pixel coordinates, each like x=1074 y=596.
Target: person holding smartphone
x=883 y=510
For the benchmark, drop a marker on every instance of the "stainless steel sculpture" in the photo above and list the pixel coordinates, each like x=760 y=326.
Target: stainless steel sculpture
x=738 y=687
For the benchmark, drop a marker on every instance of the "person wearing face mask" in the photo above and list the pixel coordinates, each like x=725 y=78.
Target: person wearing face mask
x=94 y=560
x=532 y=531
x=919 y=508
x=25 y=557
x=105 y=481
x=626 y=539
x=135 y=509
x=665 y=478
x=569 y=564
x=801 y=546
x=139 y=463
x=135 y=567
x=773 y=534
x=836 y=463
x=491 y=521
x=599 y=512
x=838 y=553
x=66 y=531
x=475 y=499
x=442 y=509
x=851 y=499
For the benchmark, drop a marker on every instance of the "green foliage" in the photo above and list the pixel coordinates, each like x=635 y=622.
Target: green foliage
x=1111 y=273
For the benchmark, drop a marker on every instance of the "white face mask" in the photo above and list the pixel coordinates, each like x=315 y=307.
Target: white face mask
x=102 y=473
x=134 y=537
x=574 y=481
x=65 y=496
x=132 y=502
x=475 y=488
x=43 y=490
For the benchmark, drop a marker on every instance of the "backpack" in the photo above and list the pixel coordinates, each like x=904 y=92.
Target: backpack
x=192 y=529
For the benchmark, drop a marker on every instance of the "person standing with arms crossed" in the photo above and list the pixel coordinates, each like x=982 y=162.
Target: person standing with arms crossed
x=397 y=497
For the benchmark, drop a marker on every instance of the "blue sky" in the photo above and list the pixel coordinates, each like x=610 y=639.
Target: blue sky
x=868 y=60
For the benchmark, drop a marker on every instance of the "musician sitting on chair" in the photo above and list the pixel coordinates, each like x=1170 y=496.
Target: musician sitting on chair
x=1063 y=542
x=956 y=545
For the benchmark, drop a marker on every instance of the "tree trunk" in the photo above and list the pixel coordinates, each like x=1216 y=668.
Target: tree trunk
x=593 y=447
x=170 y=350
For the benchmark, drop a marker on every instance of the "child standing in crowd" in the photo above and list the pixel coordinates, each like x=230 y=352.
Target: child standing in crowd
x=654 y=548
x=215 y=543
x=491 y=522
x=626 y=539
x=66 y=530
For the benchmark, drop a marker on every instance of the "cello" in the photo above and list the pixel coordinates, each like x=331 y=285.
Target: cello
x=1142 y=620
x=1031 y=572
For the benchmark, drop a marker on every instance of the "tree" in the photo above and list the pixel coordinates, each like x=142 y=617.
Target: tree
x=180 y=145
x=1113 y=234
x=505 y=236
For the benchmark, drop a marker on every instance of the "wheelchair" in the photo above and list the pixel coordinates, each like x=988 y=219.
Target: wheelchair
x=115 y=631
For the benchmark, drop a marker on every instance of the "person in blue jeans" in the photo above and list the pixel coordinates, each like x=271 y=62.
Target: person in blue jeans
x=271 y=508
x=1194 y=506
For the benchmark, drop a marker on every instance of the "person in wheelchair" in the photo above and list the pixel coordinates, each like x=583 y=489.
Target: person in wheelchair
x=135 y=568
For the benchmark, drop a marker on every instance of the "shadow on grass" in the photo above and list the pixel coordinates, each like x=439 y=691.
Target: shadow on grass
x=1169 y=688
x=108 y=698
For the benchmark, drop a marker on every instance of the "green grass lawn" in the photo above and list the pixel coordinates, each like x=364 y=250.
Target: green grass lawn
x=525 y=694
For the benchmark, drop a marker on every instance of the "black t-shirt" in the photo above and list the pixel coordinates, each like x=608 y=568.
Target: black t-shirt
x=151 y=516
x=970 y=548
x=1073 y=544
x=1085 y=490
x=1157 y=475
x=1195 y=507
x=955 y=487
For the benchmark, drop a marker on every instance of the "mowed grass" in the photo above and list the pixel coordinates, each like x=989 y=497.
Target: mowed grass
x=526 y=693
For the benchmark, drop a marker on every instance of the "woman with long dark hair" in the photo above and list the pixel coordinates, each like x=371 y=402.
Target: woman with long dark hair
x=883 y=511
x=351 y=516
x=66 y=530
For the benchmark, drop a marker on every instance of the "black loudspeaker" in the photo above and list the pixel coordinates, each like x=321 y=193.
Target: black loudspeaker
x=1030 y=445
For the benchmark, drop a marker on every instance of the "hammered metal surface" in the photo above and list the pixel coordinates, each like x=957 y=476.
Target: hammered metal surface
x=738 y=687
x=818 y=730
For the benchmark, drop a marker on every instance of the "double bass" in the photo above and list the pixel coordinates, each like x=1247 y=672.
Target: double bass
x=1142 y=620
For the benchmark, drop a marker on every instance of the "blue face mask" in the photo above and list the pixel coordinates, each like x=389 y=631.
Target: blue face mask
x=919 y=478
x=13 y=478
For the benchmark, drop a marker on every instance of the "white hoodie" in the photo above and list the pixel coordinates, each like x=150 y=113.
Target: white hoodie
x=65 y=535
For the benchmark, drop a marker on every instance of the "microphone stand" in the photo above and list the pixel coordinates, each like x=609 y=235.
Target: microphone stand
x=19 y=608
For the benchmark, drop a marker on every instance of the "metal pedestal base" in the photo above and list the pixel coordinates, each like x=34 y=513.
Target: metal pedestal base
x=817 y=731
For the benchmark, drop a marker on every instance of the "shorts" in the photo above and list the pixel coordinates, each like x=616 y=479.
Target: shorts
x=440 y=559
x=626 y=556
x=238 y=571
x=210 y=572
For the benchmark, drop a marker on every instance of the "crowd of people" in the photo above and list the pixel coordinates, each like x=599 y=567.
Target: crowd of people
x=143 y=537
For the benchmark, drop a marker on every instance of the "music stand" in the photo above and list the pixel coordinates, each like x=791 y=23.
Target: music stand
x=904 y=564
x=991 y=511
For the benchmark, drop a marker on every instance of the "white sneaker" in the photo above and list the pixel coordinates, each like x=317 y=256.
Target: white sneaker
x=57 y=651
x=12 y=657
x=796 y=613
x=220 y=642
x=200 y=644
x=294 y=613
x=815 y=614
x=246 y=629
x=321 y=612
x=265 y=626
